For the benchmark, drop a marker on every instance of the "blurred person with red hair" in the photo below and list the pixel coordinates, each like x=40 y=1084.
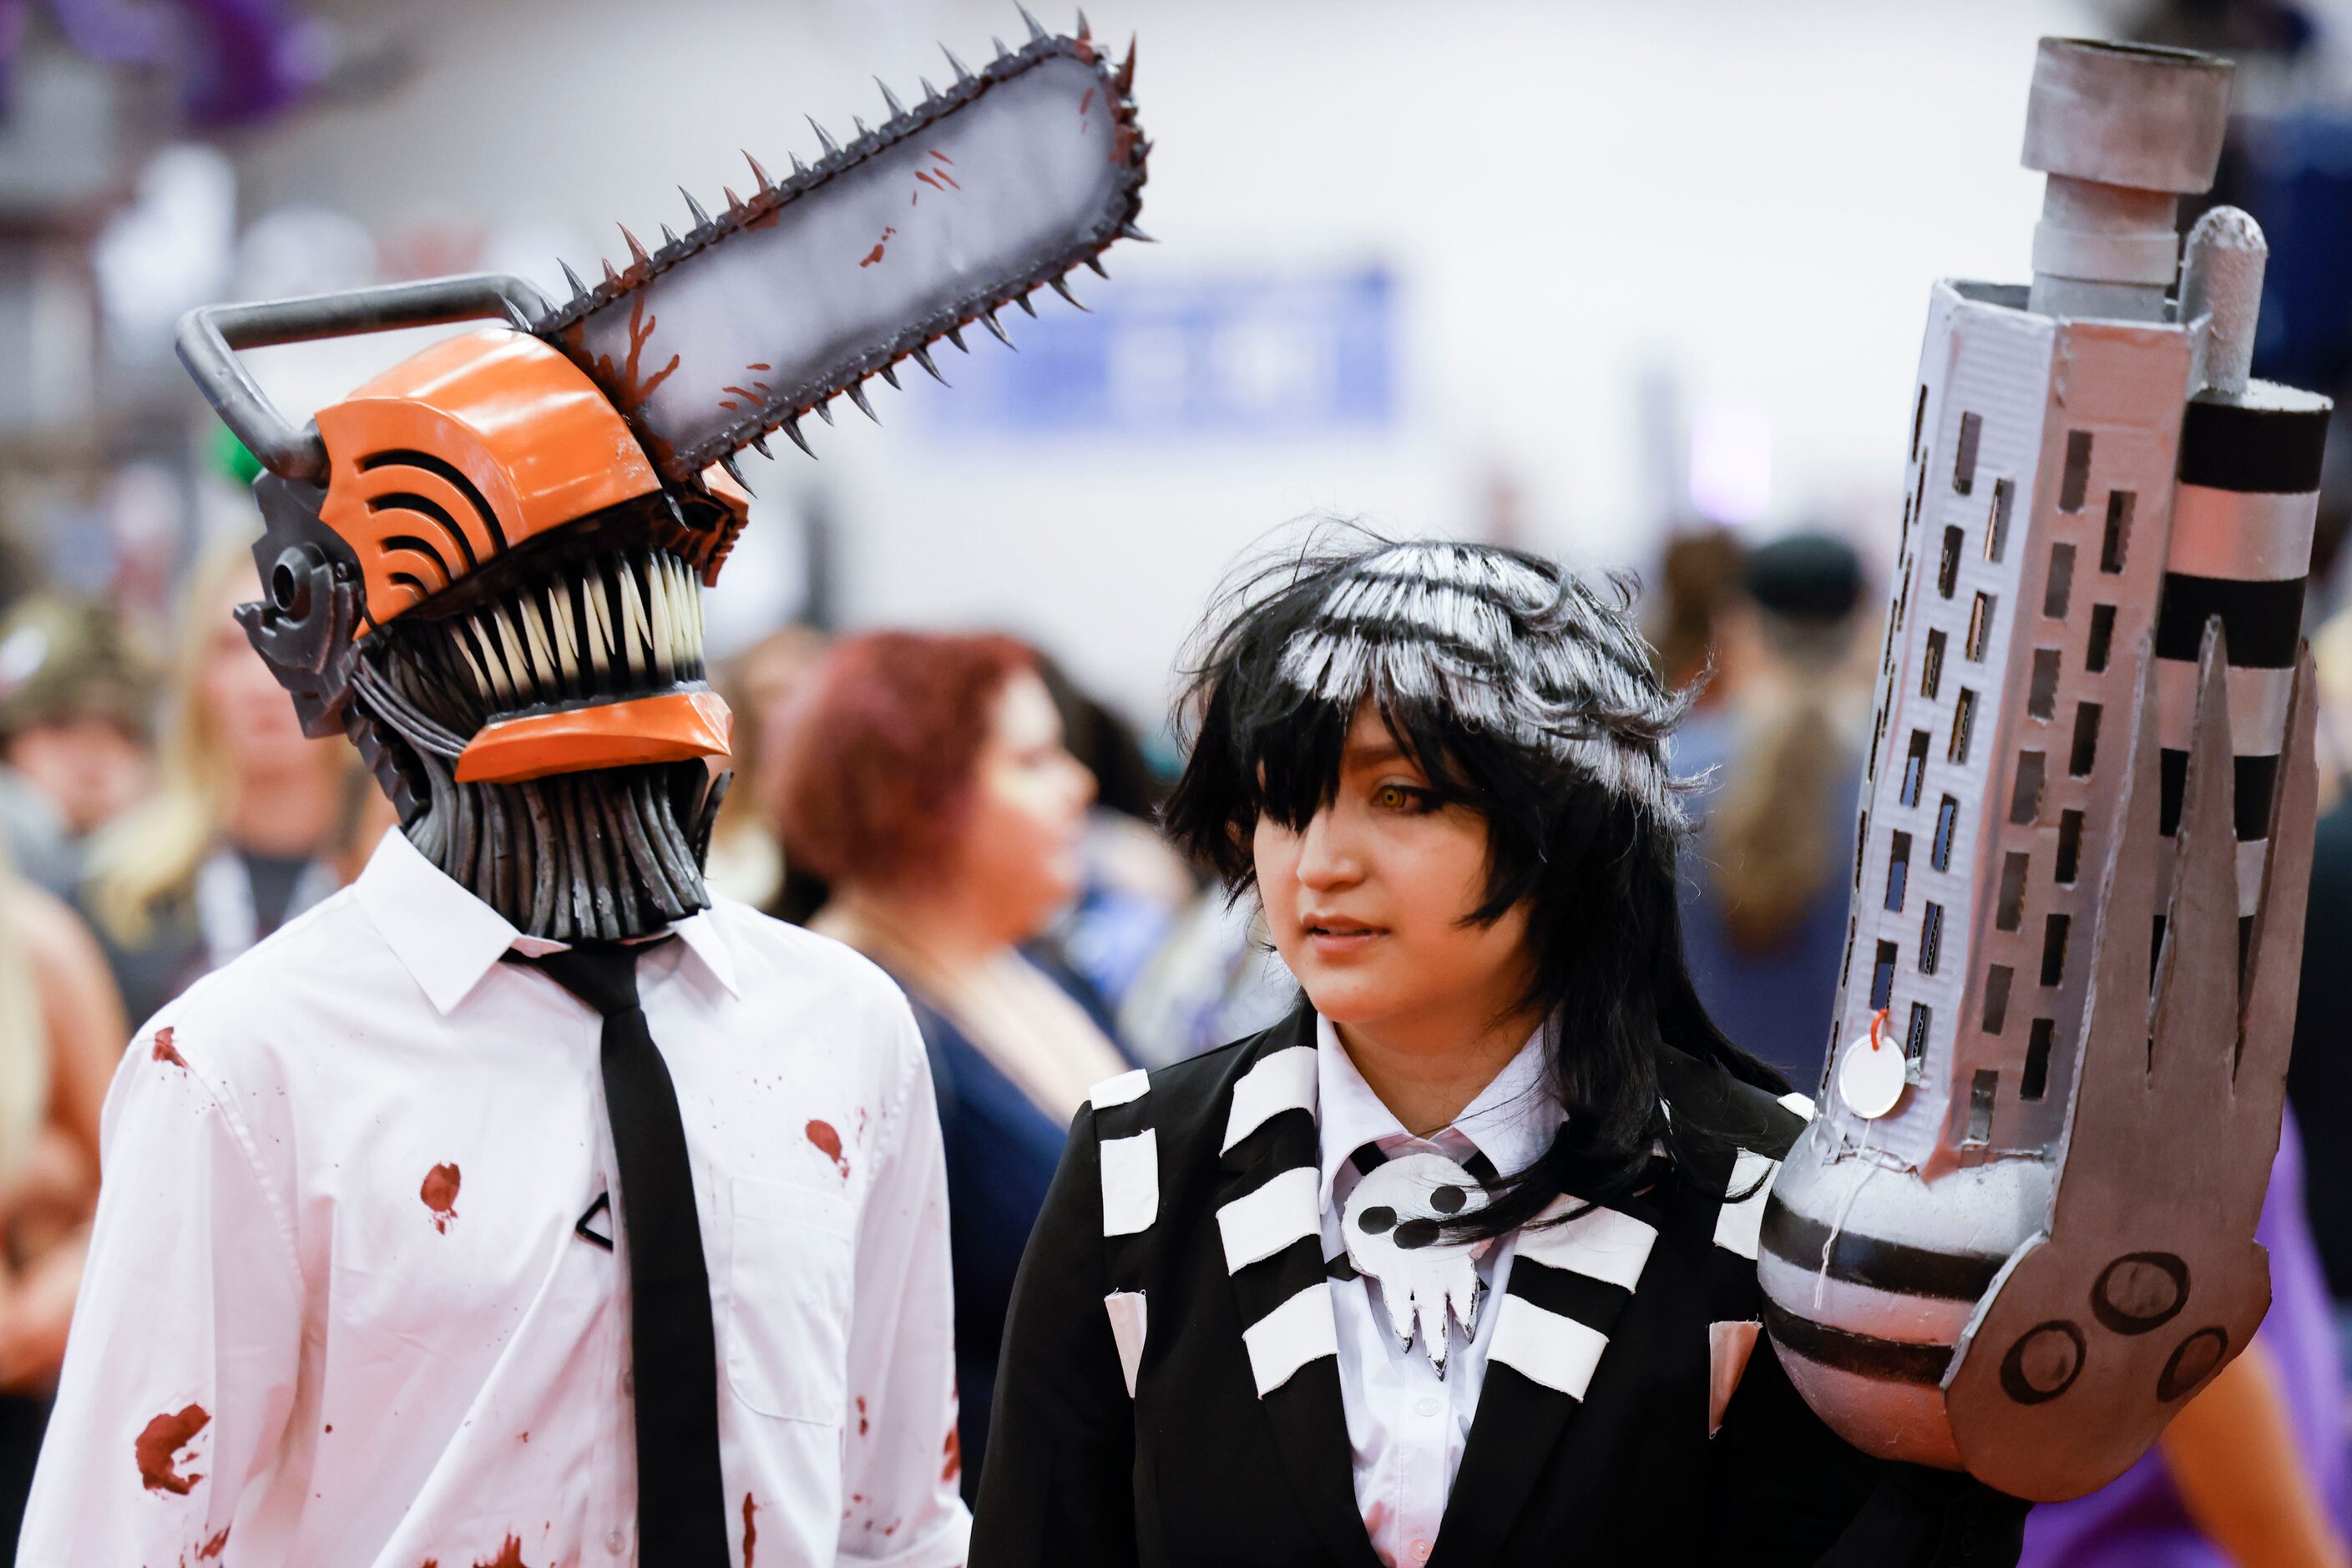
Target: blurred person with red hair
x=925 y=778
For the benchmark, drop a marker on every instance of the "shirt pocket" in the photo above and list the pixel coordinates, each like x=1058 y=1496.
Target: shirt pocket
x=789 y=1287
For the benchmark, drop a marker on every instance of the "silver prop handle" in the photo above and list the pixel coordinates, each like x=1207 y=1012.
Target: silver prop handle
x=210 y=336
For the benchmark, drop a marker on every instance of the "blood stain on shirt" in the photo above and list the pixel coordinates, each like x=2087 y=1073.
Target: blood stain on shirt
x=165 y=1051
x=509 y=1555
x=159 y=1446
x=440 y=1194
x=213 y=1548
x=829 y=1143
x=954 y=1450
x=861 y=1415
x=750 y=1530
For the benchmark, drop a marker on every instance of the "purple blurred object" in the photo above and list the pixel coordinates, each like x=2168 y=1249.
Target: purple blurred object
x=2137 y=1520
x=252 y=58
x=239 y=60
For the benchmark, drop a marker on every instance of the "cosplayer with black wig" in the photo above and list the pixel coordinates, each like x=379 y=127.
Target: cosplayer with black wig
x=1528 y=698
x=1488 y=1298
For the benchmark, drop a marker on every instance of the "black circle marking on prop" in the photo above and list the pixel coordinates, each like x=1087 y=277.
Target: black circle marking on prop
x=2140 y=1292
x=1447 y=1200
x=2192 y=1362
x=1374 y=1221
x=2043 y=1363
x=1415 y=1233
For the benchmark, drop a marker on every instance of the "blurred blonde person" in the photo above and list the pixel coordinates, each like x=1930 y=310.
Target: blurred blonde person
x=61 y=1031
x=250 y=823
x=1764 y=906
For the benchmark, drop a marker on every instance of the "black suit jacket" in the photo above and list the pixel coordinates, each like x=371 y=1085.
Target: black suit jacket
x=1197 y=1468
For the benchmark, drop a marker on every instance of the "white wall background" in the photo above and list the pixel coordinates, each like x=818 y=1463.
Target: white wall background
x=1750 y=197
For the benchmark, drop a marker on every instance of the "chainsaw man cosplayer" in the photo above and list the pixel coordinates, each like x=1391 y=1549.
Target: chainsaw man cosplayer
x=525 y=1203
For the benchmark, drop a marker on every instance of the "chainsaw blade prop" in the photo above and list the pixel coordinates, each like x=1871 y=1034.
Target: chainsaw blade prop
x=2020 y=1235
x=798 y=292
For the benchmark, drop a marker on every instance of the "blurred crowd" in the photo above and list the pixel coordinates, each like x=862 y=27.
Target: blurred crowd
x=955 y=807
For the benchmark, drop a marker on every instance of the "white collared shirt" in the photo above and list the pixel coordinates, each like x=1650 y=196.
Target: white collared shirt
x=338 y=1314
x=1406 y=1426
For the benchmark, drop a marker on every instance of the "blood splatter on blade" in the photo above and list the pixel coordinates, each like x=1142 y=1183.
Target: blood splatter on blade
x=1002 y=184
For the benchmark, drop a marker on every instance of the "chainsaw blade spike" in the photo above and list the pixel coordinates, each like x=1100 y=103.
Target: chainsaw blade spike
x=611 y=279
x=701 y=218
x=792 y=427
x=637 y=257
x=1096 y=263
x=891 y=375
x=930 y=93
x=988 y=319
x=1026 y=304
x=735 y=471
x=1002 y=52
x=760 y=180
x=1085 y=32
x=955 y=336
x=862 y=133
x=1129 y=231
x=759 y=445
x=922 y=356
x=669 y=237
x=1037 y=33
x=734 y=203
x=962 y=75
x=1124 y=82
x=858 y=395
x=824 y=138
x=579 y=290
x=891 y=99
x=1061 y=287
x=799 y=168
x=824 y=409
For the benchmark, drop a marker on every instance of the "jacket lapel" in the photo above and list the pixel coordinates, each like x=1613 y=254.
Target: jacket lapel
x=1569 y=1283
x=1271 y=1233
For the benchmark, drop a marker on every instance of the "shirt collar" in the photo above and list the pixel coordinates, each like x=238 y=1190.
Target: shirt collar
x=447 y=938
x=1511 y=1121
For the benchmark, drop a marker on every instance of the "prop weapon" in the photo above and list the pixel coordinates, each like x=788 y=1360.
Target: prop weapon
x=595 y=440
x=2020 y=1233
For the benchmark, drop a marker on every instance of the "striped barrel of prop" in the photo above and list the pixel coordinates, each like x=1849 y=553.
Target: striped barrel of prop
x=2242 y=528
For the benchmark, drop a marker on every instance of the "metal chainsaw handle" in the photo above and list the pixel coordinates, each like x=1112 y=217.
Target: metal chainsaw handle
x=210 y=336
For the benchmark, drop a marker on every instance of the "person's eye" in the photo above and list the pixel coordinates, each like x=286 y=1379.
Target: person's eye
x=1404 y=798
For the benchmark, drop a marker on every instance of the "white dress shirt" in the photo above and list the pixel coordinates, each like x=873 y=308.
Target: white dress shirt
x=1406 y=1426
x=337 y=1312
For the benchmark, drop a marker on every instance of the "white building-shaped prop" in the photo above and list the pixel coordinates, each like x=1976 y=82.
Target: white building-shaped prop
x=2091 y=477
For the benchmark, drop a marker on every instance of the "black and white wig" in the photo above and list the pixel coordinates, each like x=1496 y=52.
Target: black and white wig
x=1530 y=698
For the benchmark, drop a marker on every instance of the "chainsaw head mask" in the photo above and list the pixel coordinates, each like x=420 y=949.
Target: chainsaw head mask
x=485 y=565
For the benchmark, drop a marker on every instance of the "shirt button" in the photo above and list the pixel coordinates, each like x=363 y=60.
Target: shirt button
x=1421 y=1550
x=1427 y=1407
x=615 y=1542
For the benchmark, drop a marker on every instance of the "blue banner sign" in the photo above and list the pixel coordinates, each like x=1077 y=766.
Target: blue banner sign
x=1226 y=356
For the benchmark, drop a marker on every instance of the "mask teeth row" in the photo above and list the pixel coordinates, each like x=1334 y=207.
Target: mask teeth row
x=629 y=622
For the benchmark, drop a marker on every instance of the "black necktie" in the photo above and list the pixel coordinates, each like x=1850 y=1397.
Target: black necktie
x=681 y=1497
